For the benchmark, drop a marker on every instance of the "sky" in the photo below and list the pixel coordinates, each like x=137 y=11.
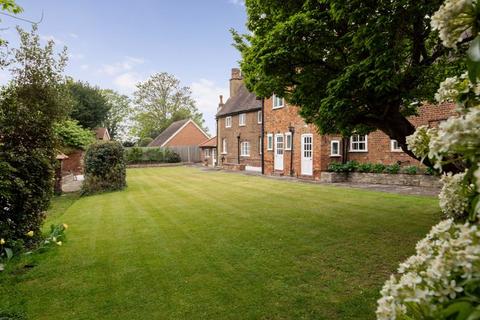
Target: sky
x=117 y=43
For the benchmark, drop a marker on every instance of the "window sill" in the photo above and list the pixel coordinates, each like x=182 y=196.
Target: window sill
x=396 y=151
x=275 y=108
x=224 y=153
x=358 y=151
x=242 y=125
x=335 y=155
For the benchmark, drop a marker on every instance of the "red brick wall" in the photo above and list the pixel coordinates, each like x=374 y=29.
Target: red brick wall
x=251 y=132
x=74 y=163
x=190 y=135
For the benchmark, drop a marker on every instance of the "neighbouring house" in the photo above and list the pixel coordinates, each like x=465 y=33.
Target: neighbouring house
x=102 y=134
x=239 y=128
x=183 y=137
x=209 y=152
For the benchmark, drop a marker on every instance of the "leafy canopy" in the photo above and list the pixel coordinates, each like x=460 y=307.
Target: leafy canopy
x=71 y=135
x=116 y=120
x=90 y=107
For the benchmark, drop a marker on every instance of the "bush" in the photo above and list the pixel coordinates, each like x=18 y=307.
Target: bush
x=144 y=142
x=392 y=169
x=378 y=168
x=138 y=155
x=364 y=167
x=72 y=135
x=105 y=168
x=411 y=170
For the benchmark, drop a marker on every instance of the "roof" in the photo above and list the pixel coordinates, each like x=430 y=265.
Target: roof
x=100 y=133
x=61 y=156
x=210 y=143
x=243 y=101
x=168 y=134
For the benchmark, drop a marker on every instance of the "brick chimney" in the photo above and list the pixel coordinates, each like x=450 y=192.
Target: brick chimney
x=235 y=82
x=220 y=104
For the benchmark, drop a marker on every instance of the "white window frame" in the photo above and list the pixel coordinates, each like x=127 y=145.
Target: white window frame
x=274 y=100
x=392 y=146
x=245 y=149
x=242 y=116
x=228 y=122
x=352 y=143
x=260 y=147
x=332 y=154
x=288 y=141
x=224 y=146
x=207 y=153
x=259 y=117
x=270 y=141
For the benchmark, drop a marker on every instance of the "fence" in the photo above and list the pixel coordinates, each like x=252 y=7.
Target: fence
x=188 y=153
x=145 y=155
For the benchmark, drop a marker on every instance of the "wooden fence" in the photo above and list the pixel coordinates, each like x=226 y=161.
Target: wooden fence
x=188 y=153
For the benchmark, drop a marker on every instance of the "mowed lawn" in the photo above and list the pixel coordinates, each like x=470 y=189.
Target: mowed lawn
x=181 y=243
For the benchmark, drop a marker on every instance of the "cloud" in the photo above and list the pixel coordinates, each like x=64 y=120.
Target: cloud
x=127 y=82
x=84 y=66
x=73 y=35
x=76 y=56
x=238 y=2
x=206 y=94
x=49 y=37
x=127 y=64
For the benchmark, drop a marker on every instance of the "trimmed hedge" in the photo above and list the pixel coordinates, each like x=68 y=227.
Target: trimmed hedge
x=105 y=168
x=353 y=166
x=138 y=155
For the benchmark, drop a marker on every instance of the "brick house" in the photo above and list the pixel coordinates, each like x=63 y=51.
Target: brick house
x=239 y=127
x=102 y=134
x=209 y=152
x=180 y=133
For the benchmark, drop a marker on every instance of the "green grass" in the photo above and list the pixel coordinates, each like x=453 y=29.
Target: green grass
x=180 y=243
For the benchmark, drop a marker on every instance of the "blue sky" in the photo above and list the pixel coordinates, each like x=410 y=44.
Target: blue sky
x=115 y=44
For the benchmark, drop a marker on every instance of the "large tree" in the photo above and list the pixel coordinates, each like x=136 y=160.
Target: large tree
x=117 y=119
x=90 y=107
x=160 y=101
x=351 y=66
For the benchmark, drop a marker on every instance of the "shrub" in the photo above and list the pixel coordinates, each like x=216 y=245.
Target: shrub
x=335 y=167
x=105 y=168
x=138 y=155
x=349 y=166
x=378 y=168
x=72 y=135
x=172 y=157
x=411 y=170
x=144 y=142
x=364 y=167
x=392 y=169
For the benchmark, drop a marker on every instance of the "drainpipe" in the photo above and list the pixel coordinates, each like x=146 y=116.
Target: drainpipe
x=263 y=136
x=292 y=131
x=238 y=148
x=218 y=153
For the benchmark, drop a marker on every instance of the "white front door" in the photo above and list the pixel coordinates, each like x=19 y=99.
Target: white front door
x=279 y=146
x=214 y=157
x=307 y=155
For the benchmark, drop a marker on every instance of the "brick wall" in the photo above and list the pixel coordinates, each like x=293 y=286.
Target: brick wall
x=74 y=163
x=251 y=132
x=190 y=135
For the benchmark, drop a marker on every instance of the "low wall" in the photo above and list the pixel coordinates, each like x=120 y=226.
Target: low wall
x=233 y=166
x=382 y=178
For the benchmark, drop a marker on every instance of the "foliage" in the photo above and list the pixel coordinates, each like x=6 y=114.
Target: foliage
x=349 y=166
x=29 y=106
x=116 y=120
x=105 y=168
x=144 y=142
x=160 y=101
x=413 y=170
x=353 y=166
x=442 y=281
x=364 y=167
x=72 y=135
x=378 y=168
x=138 y=155
x=90 y=107
x=350 y=65
x=9 y=6
x=392 y=169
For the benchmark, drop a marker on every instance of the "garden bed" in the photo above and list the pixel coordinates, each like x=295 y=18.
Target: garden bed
x=401 y=179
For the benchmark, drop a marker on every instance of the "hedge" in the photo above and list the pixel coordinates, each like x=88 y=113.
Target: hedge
x=137 y=155
x=353 y=166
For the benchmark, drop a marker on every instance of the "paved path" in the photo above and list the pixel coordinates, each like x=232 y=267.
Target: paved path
x=407 y=190
x=72 y=185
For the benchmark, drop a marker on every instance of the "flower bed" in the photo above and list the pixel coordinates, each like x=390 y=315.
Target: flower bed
x=381 y=178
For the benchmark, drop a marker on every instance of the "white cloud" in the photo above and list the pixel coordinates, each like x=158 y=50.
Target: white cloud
x=73 y=35
x=76 y=56
x=206 y=93
x=238 y=2
x=127 y=64
x=127 y=82
x=84 y=66
x=49 y=37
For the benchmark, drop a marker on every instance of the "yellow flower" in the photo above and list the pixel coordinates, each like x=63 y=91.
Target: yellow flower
x=54 y=239
x=30 y=233
x=59 y=243
x=65 y=226
x=2 y=241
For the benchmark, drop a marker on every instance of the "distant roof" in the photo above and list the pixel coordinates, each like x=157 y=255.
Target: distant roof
x=100 y=133
x=167 y=133
x=210 y=143
x=242 y=101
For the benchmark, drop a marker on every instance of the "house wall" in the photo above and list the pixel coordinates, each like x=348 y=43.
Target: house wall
x=208 y=155
x=74 y=163
x=251 y=132
x=190 y=135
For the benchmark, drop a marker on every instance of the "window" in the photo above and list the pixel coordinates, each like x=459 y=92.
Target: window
x=259 y=117
x=228 y=122
x=335 y=148
x=260 y=151
x=207 y=153
x=394 y=147
x=278 y=102
x=245 y=149
x=224 y=146
x=242 y=119
x=288 y=141
x=358 y=143
x=269 y=141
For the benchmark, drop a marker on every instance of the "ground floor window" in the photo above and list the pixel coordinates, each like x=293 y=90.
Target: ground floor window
x=358 y=143
x=224 y=146
x=288 y=141
x=260 y=151
x=394 y=146
x=207 y=153
x=269 y=141
x=245 y=149
x=335 y=148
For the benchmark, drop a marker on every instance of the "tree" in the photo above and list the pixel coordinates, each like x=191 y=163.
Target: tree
x=30 y=104
x=160 y=101
x=90 y=107
x=351 y=66
x=71 y=135
x=116 y=120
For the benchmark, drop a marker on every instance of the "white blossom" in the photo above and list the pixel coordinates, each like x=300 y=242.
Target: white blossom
x=450 y=88
x=418 y=142
x=453 y=198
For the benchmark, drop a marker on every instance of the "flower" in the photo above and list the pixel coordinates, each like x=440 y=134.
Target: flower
x=59 y=243
x=454 y=196
x=30 y=233
x=450 y=88
x=54 y=239
x=418 y=142
x=453 y=19
x=2 y=241
x=65 y=226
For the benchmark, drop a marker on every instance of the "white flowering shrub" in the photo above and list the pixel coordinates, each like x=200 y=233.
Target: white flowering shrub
x=437 y=277
x=442 y=280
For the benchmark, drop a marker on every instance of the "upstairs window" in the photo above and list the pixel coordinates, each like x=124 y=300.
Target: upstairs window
x=228 y=122
x=242 y=119
x=394 y=147
x=278 y=102
x=224 y=146
x=245 y=149
x=259 y=117
x=269 y=141
x=358 y=143
x=335 y=148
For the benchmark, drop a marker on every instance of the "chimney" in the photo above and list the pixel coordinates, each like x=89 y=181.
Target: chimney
x=220 y=104
x=235 y=82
